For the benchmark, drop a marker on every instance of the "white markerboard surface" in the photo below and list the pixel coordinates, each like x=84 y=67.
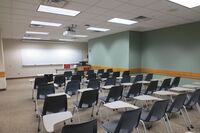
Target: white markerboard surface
x=50 y=56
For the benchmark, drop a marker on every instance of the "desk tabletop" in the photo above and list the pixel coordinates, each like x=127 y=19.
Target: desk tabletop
x=181 y=89
x=196 y=83
x=107 y=86
x=191 y=86
x=85 y=89
x=144 y=82
x=50 y=120
x=31 y=80
x=166 y=93
x=147 y=98
x=59 y=94
x=119 y=78
x=119 y=104
x=126 y=84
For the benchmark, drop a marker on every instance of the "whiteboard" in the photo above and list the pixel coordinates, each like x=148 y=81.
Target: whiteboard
x=50 y=56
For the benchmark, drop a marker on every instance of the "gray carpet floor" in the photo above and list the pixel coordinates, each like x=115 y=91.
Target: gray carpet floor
x=17 y=113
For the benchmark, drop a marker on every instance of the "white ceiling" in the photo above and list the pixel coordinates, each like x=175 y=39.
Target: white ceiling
x=15 y=16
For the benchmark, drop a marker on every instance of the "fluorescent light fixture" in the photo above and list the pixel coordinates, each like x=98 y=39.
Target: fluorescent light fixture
x=32 y=38
x=66 y=40
x=97 y=29
x=35 y=32
x=187 y=3
x=122 y=21
x=81 y=36
x=56 y=10
x=46 y=23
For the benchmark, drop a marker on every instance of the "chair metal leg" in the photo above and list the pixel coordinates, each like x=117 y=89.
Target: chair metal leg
x=145 y=129
x=92 y=111
x=32 y=93
x=169 y=124
x=187 y=116
x=39 y=119
x=187 y=125
x=98 y=108
x=137 y=130
x=166 y=125
x=79 y=120
x=198 y=107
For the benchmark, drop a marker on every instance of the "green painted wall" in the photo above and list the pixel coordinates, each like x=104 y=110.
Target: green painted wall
x=175 y=48
x=111 y=50
x=135 y=49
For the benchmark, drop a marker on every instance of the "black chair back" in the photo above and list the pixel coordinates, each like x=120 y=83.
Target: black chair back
x=49 y=77
x=152 y=87
x=40 y=81
x=55 y=104
x=109 y=70
x=86 y=127
x=100 y=71
x=158 y=110
x=115 y=74
x=94 y=83
x=165 y=84
x=76 y=77
x=44 y=90
x=91 y=76
x=126 y=79
x=60 y=80
x=177 y=104
x=110 y=81
x=193 y=99
x=80 y=73
x=135 y=90
x=138 y=77
x=105 y=75
x=175 y=82
x=126 y=73
x=114 y=94
x=90 y=72
x=149 y=77
x=89 y=98
x=68 y=74
x=72 y=87
x=128 y=121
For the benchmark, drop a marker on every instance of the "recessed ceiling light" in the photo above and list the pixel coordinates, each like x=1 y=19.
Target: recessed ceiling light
x=46 y=23
x=32 y=38
x=66 y=40
x=97 y=29
x=35 y=32
x=56 y=10
x=82 y=36
x=122 y=21
x=187 y=3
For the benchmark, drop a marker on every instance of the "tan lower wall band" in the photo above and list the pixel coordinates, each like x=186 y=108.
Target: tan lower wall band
x=173 y=73
x=2 y=74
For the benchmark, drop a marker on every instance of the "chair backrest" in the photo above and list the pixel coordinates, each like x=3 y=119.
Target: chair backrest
x=151 y=87
x=158 y=110
x=94 y=83
x=109 y=70
x=138 y=77
x=175 y=82
x=115 y=93
x=126 y=79
x=165 y=84
x=194 y=98
x=126 y=73
x=177 y=104
x=49 y=77
x=86 y=127
x=55 y=104
x=59 y=79
x=128 y=121
x=76 y=77
x=149 y=77
x=91 y=76
x=72 y=87
x=90 y=72
x=68 y=74
x=44 y=90
x=89 y=98
x=80 y=73
x=135 y=90
x=40 y=81
x=110 y=81
x=105 y=75
x=115 y=74
x=100 y=71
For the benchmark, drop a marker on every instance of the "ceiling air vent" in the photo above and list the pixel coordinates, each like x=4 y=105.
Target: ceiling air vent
x=141 y=18
x=35 y=26
x=56 y=3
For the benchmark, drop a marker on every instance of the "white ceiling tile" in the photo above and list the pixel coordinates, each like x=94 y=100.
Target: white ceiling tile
x=109 y=4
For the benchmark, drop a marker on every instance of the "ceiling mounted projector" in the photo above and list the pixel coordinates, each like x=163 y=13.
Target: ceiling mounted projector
x=70 y=30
